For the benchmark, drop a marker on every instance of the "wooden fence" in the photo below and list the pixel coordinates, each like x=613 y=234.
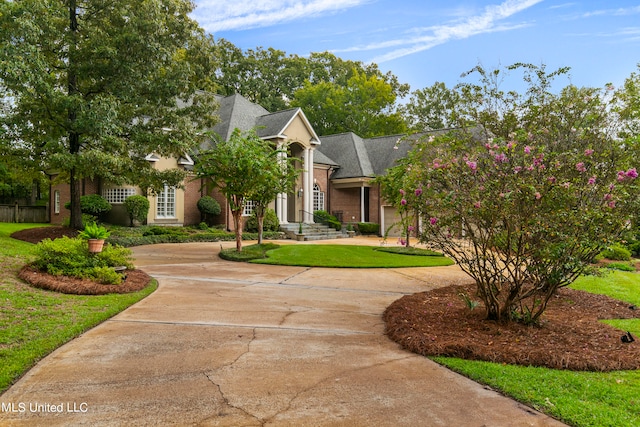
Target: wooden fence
x=16 y=213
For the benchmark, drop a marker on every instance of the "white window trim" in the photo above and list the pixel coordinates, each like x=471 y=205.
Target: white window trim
x=164 y=204
x=249 y=206
x=56 y=201
x=318 y=199
x=117 y=195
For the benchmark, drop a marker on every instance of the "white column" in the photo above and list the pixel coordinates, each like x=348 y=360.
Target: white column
x=281 y=201
x=362 y=216
x=305 y=187
x=310 y=187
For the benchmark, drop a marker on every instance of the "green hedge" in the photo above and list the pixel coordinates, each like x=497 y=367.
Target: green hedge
x=186 y=238
x=368 y=228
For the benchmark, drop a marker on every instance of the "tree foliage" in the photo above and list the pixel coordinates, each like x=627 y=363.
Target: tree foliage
x=432 y=108
x=364 y=105
x=93 y=86
x=336 y=95
x=528 y=197
x=246 y=167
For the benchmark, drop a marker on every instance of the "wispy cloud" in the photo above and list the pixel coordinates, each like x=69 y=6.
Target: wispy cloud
x=623 y=11
x=426 y=38
x=223 y=15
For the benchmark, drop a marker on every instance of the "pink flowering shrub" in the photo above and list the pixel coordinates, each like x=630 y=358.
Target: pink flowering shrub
x=522 y=235
x=534 y=201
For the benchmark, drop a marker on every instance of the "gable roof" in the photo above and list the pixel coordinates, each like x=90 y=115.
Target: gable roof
x=349 y=151
x=236 y=111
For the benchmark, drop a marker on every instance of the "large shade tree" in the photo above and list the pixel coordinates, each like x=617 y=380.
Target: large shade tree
x=527 y=198
x=93 y=86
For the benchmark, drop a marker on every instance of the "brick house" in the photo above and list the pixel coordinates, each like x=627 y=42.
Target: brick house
x=336 y=173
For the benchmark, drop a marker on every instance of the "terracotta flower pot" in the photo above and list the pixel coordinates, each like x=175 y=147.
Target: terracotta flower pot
x=95 y=245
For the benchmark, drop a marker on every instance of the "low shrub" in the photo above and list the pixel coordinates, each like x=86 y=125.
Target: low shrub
x=368 y=228
x=162 y=231
x=325 y=217
x=271 y=222
x=621 y=266
x=616 y=252
x=71 y=257
x=208 y=207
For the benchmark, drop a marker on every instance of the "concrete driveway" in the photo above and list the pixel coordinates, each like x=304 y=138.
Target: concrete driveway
x=232 y=344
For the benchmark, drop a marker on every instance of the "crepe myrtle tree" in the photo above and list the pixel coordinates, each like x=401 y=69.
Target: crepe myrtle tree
x=245 y=167
x=397 y=189
x=535 y=205
x=277 y=174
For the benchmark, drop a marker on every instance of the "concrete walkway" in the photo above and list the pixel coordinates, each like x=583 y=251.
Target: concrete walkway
x=232 y=344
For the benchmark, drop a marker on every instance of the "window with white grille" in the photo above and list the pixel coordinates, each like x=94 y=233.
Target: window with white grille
x=318 y=198
x=249 y=206
x=56 y=202
x=118 y=194
x=166 y=203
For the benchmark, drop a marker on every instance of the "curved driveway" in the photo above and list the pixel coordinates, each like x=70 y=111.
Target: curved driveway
x=232 y=344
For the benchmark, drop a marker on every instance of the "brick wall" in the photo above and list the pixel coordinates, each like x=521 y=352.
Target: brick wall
x=192 y=194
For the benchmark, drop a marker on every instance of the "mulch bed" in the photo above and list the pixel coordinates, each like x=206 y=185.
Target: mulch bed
x=134 y=281
x=438 y=323
x=35 y=235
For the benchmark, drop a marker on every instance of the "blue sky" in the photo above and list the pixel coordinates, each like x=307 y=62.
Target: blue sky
x=424 y=41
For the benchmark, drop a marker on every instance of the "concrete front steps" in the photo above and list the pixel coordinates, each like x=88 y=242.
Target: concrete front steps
x=311 y=231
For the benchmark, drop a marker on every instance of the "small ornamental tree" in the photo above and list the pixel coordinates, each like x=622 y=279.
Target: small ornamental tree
x=236 y=167
x=208 y=207
x=137 y=207
x=525 y=201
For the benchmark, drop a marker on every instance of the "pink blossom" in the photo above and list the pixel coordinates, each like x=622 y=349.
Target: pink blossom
x=418 y=192
x=608 y=196
x=403 y=202
x=621 y=175
x=632 y=173
x=402 y=191
x=502 y=195
x=410 y=228
x=612 y=204
x=566 y=185
x=472 y=165
x=538 y=195
x=517 y=169
x=588 y=152
x=402 y=242
x=527 y=150
x=501 y=158
x=433 y=220
x=592 y=180
x=510 y=145
x=477 y=205
x=580 y=167
x=552 y=179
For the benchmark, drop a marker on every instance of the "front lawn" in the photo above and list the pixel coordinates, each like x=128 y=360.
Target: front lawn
x=35 y=322
x=348 y=256
x=577 y=398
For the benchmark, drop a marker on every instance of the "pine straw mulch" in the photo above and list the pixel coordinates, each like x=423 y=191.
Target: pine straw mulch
x=134 y=280
x=570 y=336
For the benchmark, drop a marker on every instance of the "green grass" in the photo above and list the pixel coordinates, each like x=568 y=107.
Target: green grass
x=35 y=322
x=343 y=256
x=577 y=398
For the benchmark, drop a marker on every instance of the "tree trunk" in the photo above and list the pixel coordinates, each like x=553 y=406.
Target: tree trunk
x=260 y=227
x=237 y=223
x=74 y=137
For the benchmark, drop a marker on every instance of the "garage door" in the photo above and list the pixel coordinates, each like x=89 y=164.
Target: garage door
x=390 y=222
